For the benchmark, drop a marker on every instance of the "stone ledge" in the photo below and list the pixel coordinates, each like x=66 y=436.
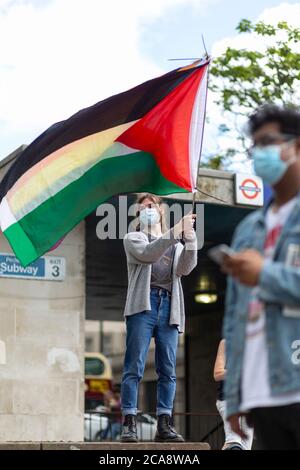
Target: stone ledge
x=20 y=446
x=103 y=446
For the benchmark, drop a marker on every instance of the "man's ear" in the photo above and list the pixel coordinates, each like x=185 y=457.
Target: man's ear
x=298 y=145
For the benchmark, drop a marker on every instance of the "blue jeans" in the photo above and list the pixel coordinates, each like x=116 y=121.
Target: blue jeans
x=140 y=329
x=111 y=431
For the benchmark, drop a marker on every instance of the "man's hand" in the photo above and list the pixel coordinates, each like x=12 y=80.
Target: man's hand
x=235 y=425
x=245 y=266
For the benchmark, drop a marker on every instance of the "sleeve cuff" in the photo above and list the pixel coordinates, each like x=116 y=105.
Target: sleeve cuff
x=264 y=279
x=193 y=239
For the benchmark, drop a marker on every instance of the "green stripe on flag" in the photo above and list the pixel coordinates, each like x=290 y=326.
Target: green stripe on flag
x=33 y=235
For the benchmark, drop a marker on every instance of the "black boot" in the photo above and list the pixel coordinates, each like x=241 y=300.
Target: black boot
x=233 y=446
x=129 y=432
x=165 y=432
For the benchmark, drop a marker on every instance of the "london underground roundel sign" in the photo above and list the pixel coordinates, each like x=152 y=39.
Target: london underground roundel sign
x=248 y=190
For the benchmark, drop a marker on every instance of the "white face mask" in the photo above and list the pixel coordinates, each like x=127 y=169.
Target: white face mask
x=149 y=216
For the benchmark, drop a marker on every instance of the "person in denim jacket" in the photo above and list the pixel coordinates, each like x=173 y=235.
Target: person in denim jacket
x=262 y=312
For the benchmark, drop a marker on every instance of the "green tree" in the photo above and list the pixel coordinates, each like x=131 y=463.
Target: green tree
x=243 y=79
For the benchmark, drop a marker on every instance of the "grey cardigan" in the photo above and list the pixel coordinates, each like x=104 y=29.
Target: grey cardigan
x=140 y=255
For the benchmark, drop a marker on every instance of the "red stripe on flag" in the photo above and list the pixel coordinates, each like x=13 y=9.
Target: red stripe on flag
x=165 y=130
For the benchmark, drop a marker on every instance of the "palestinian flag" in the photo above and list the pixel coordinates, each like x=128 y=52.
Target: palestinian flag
x=145 y=139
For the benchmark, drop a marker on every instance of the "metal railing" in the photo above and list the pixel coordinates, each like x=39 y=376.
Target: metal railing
x=193 y=426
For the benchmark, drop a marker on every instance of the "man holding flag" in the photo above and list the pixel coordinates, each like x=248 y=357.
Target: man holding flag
x=156 y=260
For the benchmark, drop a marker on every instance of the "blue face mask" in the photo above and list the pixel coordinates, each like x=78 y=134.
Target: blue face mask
x=268 y=164
x=149 y=216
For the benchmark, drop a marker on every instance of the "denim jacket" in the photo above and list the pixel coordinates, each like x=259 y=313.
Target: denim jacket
x=279 y=289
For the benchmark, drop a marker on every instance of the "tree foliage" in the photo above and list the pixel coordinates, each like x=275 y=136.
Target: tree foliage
x=243 y=79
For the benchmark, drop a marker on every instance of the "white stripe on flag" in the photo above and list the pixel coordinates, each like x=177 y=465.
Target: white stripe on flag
x=197 y=129
x=6 y=216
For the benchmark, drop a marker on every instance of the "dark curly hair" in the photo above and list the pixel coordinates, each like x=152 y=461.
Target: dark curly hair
x=288 y=119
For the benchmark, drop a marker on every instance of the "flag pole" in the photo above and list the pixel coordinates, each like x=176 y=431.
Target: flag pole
x=193 y=202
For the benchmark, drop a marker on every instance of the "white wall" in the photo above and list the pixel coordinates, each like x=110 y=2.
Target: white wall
x=41 y=360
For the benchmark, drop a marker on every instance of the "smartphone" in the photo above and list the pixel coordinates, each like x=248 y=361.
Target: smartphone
x=218 y=252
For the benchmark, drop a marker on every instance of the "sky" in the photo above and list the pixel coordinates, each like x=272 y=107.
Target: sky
x=59 y=56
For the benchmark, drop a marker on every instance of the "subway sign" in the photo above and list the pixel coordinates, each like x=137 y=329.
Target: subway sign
x=49 y=268
x=249 y=190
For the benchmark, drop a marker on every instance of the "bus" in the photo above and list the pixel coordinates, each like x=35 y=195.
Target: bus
x=98 y=379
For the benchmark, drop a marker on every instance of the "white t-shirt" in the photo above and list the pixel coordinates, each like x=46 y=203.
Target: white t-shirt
x=255 y=373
